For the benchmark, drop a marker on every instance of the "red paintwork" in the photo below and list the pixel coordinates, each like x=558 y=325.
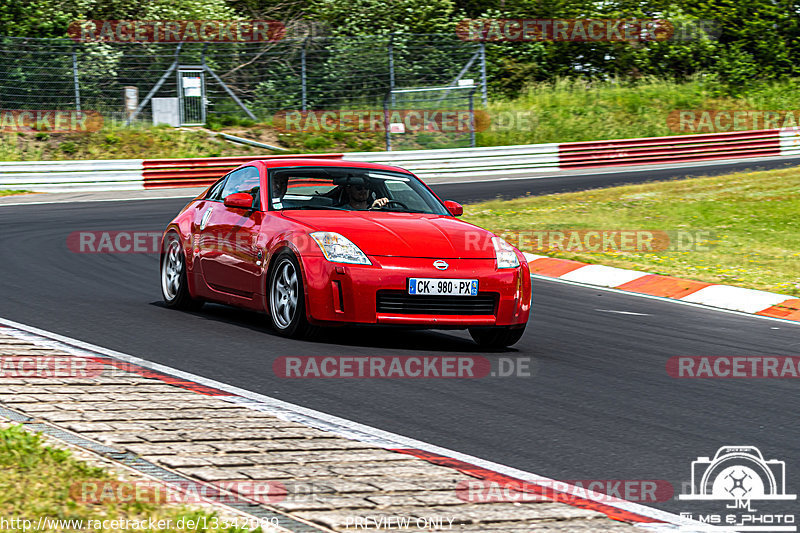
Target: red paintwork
x=240 y=200
x=454 y=207
x=223 y=268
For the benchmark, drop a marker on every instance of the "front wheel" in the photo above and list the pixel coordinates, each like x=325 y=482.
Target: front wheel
x=174 y=287
x=496 y=337
x=287 y=298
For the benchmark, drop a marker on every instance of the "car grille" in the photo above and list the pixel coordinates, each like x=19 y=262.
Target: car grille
x=401 y=303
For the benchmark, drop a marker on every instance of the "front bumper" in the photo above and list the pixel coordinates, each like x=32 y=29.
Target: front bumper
x=342 y=293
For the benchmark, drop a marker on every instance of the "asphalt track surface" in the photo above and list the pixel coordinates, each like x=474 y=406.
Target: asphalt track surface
x=575 y=180
x=599 y=404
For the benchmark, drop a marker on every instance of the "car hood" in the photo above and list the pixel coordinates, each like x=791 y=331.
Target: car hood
x=403 y=234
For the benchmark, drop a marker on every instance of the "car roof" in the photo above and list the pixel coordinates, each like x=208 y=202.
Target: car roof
x=300 y=162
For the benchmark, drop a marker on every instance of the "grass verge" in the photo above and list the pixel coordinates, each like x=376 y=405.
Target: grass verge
x=5 y=192
x=753 y=220
x=36 y=481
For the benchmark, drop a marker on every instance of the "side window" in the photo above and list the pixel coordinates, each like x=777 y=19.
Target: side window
x=215 y=192
x=244 y=180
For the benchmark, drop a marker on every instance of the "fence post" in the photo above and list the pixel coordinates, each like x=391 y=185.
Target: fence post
x=472 y=119
x=390 y=49
x=158 y=85
x=386 y=122
x=75 y=79
x=303 y=86
x=484 y=95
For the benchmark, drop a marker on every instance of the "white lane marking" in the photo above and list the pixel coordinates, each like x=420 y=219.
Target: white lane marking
x=738 y=298
x=335 y=424
x=603 y=275
x=622 y=312
x=663 y=299
x=97 y=200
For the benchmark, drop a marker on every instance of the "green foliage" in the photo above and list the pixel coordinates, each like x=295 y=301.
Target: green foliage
x=317 y=143
x=69 y=147
x=379 y=17
x=757 y=41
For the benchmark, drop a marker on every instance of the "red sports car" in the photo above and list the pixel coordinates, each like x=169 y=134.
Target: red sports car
x=317 y=242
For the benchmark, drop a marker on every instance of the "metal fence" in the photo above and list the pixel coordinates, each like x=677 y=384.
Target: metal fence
x=240 y=79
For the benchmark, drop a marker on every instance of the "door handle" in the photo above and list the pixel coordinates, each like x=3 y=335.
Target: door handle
x=204 y=220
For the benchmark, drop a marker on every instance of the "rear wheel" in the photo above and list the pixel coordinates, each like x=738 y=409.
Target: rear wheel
x=287 y=308
x=174 y=287
x=496 y=337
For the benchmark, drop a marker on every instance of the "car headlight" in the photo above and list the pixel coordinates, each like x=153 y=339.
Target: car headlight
x=506 y=256
x=338 y=248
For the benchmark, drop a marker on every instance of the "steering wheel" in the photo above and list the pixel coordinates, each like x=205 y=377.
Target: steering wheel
x=390 y=202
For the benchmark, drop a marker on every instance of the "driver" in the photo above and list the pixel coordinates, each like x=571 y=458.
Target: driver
x=357 y=196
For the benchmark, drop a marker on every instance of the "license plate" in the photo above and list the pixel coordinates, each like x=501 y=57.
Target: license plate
x=443 y=287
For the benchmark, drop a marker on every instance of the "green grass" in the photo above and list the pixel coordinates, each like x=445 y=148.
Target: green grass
x=6 y=192
x=754 y=218
x=36 y=481
x=576 y=110
x=113 y=142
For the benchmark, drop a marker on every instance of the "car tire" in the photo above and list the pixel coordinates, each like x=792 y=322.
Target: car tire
x=174 y=284
x=287 y=309
x=496 y=337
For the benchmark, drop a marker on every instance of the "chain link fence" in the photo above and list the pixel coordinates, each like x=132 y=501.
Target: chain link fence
x=241 y=79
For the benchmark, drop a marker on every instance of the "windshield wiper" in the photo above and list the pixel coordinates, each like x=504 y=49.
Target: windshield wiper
x=401 y=211
x=317 y=207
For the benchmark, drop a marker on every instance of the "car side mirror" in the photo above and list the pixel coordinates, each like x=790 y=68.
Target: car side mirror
x=455 y=208
x=241 y=200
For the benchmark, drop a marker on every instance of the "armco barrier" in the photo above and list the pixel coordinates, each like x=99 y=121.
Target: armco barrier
x=498 y=161
x=468 y=162
x=61 y=176
x=673 y=149
x=160 y=173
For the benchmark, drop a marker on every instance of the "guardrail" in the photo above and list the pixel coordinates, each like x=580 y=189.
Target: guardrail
x=499 y=161
x=160 y=173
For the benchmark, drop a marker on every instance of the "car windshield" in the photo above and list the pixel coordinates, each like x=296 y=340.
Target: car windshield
x=350 y=189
